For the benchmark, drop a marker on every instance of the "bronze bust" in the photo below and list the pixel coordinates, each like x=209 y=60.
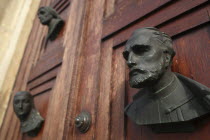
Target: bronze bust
x=30 y=119
x=49 y=17
x=166 y=98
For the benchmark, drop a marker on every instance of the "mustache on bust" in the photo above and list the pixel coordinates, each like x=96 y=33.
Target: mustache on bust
x=134 y=71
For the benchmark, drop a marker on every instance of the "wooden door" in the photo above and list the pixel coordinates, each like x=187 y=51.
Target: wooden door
x=83 y=69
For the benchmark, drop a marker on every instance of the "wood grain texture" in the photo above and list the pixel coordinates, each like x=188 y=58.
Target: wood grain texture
x=118 y=96
x=129 y=11
x=194 y=63
x=42 y=88
x=187 y=22
x=47 y=63
x=44 y=78
x=173 y=18
x=60 y=94
x=104 y=99
x=40 y=34
x=58 y=3
x=109 y=8
x=89 y=80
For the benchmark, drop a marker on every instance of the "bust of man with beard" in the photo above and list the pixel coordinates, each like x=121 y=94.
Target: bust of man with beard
x=30 y=119
x=168 y=101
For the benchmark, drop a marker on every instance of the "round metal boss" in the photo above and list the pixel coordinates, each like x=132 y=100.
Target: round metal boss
x=83 y=121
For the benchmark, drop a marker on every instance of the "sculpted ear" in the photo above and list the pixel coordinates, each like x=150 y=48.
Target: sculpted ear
x=167 y=59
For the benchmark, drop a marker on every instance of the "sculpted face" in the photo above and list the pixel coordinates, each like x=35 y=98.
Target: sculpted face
x=22 y=104
x=145 y=58
x=44 y=16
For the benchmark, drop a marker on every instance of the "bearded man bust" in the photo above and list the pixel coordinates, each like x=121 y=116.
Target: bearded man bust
x=168 y=101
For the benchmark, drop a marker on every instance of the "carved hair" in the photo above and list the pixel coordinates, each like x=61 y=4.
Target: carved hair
x=51 y=11
x=162 y=37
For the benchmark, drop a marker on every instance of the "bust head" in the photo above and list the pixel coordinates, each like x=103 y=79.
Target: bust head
x=50 y=17
x=30 y=119
x=46 y=14
x=23 y=104
x=148 y=54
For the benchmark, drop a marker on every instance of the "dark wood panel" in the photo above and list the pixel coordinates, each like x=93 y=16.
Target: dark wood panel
x=193 y=54
x=118 y=96
x=63 y=6
x=47 y=62
x=109 y=8
x=44 y=78
x=128 y=11
x=55 y=48
x=173 y=27
x=208 y=9
x=43 y=88
x=187 y=22
x=58 y=3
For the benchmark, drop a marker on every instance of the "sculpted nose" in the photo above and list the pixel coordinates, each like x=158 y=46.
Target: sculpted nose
x=130 y=61
x=20 y=105
x=130 y=64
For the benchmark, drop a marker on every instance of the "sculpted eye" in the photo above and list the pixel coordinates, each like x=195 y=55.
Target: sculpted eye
x=125 y=55
x=140 y=49
x=41 y=12
x=26 y=101
x=16 y=101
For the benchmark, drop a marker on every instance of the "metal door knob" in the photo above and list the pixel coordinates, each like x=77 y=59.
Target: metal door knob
x=83 y=121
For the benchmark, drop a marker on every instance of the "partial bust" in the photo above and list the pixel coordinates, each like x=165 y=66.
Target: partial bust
x=49 y=17
x=30 y=119
x=166 y=99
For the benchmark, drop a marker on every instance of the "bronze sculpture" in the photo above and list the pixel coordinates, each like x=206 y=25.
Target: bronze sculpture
x=167 y=99
x=49 y=17
x=30 y=119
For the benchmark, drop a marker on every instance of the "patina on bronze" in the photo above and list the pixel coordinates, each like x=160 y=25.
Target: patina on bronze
x=83 y=121
x=168 y=102
x=49 y=17
x=30 y=119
